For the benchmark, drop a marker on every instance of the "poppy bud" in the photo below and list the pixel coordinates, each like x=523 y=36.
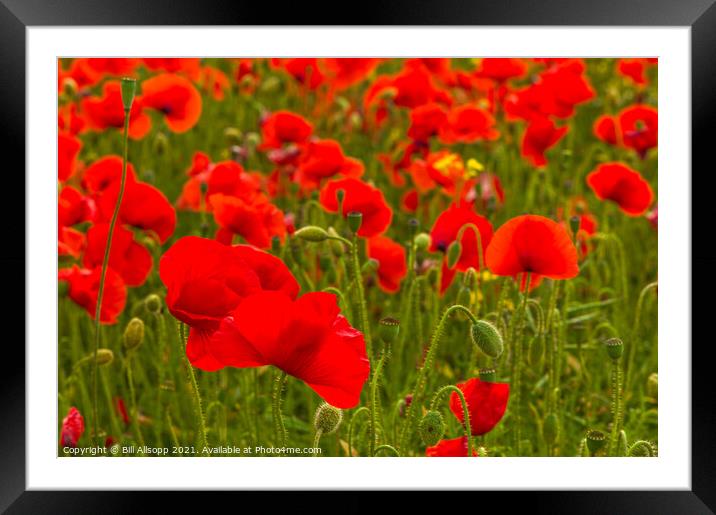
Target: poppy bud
x=652 y=385
x=129 y=88
x=622 y=444
x=487 y=338
x=160 y=144
x=69 y=87
x=431 y=428
x=463 y=296
x=134 y=334
x=615 y=348
x=355 y=219
x=232 y=136
x=596 y=440
x=536 y=351
x=550 y=428
x=482 y=452
x=641 y=449
x=453 y=254
x=343 y=103
x=271 y=85
x=153 y=303
x=389 y=329
x=327 y=418
x=104 y=356
x=488 y=375
x=252 y=139
x=312 y=233
x=574 y=223
x=422 y=241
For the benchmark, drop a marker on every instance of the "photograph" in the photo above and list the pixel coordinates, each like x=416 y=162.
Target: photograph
x=357 y=257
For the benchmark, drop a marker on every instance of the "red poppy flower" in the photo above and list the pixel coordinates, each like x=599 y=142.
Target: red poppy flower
x=414 y=86
x=304 y=70
x=68 y=119
x=623 y=186
x=200 y=163
x=501 y=69
x=426 y=121
x=540 y=135
x=409 y=201
x=127 y=257
x=532 y=244
x=116 y=66
x=346 y=71
x=491 y=192
x=214 y=81
x=257 y=221
x=323 y=159
x=206 y=280
x=486 y=404
x=81 y=72
x=634 y=69
x=359 y=197
x=605 y=128
x=84 y=287
x=122 y=410
x=175 y=97
x=104 y=172
x=73 y=426
x=307 y=338
x=108 y=111
x=70 y=242
x=283 y=127
x=143 y=206
x=188 y=66
x=453 y=448
x=446 y=228
x=68 y=147
x=73 y=207
x=636 y=127
x=467 y=124
x=392 y=267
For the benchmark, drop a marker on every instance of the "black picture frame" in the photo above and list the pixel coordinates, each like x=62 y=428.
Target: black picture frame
x=17 y=15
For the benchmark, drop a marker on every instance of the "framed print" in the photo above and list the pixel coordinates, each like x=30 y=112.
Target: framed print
x=418 y=253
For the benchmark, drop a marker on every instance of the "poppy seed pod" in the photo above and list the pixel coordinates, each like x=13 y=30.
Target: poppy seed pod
x=134 y=334
x=596 y=440
x=641 y=449
x=488 y=375
x=487 y=338
x=312 y=233
x=389 y=329
x=422 y=241
x=615 y=348
x=328 y=418
x=355 y=220
x=431 y=428
x=453 y=254
x=153 y=303
x=550 y=428
x=129 y=88
x=574 y=223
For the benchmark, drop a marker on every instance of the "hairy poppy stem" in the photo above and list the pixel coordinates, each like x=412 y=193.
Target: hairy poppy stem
x=317 y=440
x=518 y=334
x=423 y=372
x=128 y=86
x=465 y=412
x=478 y=236
x=358 y=412
x=133 y=400
x=386 y=447
x=635 y=333
x=374 y=401
x=617 y=408
x=361 y=297
x=195 y=390
x=279 y=426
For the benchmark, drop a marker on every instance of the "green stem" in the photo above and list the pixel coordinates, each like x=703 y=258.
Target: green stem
x=279 y=426
x=616 y=380
x=386 y=447
x=201 y=422
x=133 y=400
x=317 y=439
x=350 y=428
x=357 y=277
x=518 y=334
x=374 y=402
x=423 y=372
x=103 y=273
x=465 y=412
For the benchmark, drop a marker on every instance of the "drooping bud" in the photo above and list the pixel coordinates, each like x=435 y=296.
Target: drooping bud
x=312 y=233
x=453 y=253
x=389 y=329
x=431 y=428
x=615 y=348
x=104 y=356
x=129 y=88
x=488 y=375
x=550 y=428
x=487 y=338
x=422 y=241
x=355 y=220
x=596 y=440
x=328 y=418
x=641 y=449
x=232 y=136
x=153 y=303
x=134 y=334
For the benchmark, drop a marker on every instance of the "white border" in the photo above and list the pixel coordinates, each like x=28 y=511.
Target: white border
x=672 y=469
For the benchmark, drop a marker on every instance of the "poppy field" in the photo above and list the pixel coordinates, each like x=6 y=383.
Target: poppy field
x=357 y=257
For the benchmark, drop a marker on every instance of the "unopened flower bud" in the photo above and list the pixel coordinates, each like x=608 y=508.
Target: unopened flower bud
x=652 y=386
x=488 y=375
x=355 y=220
x=453 y=253
x=160 y=144
x=641 y=449
x=328 y=418
x=134 y=334
x=431 y=428
x=336 y=246
x=596 y=440
x=104 y=356
x=422 y=241
x=69 y=87
x=312 y=233
x=153 y=303
x=270 y=85
x=487 y=338
x=622 y=444
x=389 y=329
x=232 y=136
x=129 y=88
x=615 y=348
